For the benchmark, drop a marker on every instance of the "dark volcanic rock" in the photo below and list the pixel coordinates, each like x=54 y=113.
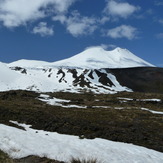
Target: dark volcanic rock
x=140 y=79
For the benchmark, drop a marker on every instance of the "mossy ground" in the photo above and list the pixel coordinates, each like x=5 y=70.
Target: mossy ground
x=130 y=124
x=4 y=158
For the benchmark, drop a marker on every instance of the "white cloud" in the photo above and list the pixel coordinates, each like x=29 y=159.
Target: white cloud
x=61 y=18
x=14 y=13
x=123 y=31
x=61 y=6
x=43 y=30
x=78 y=25
x=120 y=9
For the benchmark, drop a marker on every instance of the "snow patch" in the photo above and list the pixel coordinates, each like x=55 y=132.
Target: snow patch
x=156 y=100
x=57 y=102
x=123 y=98
x=152 y=111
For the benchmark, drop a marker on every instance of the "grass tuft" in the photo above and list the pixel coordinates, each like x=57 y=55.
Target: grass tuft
x=83 y=161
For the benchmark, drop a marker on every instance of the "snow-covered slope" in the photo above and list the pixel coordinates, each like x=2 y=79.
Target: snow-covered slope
x=91 y=58
x=7 y=77
x=6 y=74
x=28 y=63
x=59 y=79
x=21 y=143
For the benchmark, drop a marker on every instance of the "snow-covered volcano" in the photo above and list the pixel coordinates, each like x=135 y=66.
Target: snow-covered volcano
x=88 y=71
x=97 y=57
x=92 y=58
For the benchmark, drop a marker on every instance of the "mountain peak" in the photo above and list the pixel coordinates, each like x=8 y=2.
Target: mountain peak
x=97 y=57
x=118 y=49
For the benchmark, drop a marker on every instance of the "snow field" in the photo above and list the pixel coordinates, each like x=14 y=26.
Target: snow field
x=20 y=143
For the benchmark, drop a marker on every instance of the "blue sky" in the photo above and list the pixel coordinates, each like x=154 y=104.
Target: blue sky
x=52 y=30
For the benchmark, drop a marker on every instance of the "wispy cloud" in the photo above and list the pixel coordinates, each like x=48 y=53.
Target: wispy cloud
x=120 y=9
x=104 y=19
x=160 y=21
x=159 y=36
x=108 y=46
x=78 y=25
x=43 y=30
x=149 y=12
x=158 y=3
x=123 y=31
x=14 y=13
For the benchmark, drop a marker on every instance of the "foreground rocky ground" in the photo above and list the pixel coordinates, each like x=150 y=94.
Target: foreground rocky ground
x=124 y=117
